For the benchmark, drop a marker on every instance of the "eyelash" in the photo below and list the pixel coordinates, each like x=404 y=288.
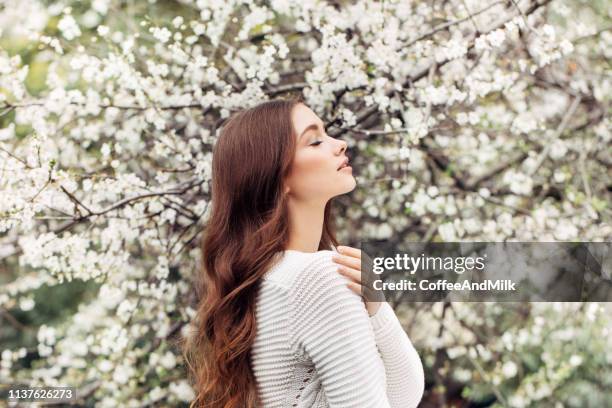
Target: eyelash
x=318 y=142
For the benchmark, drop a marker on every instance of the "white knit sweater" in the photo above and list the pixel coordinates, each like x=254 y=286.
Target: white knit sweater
x=316 y=346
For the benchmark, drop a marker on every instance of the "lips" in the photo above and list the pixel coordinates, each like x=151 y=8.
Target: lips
x=344 y=164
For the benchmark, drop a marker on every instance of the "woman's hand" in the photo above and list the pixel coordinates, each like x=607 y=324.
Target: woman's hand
x=349 y=262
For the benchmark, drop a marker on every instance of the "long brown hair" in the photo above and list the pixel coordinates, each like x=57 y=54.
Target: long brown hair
x=248 y=226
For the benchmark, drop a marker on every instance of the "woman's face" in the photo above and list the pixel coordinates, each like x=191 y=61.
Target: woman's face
x=314 y=174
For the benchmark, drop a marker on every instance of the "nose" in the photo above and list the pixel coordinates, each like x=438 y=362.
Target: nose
x=343 y=146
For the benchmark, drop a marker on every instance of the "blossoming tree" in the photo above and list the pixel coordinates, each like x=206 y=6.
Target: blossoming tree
x=466 y=120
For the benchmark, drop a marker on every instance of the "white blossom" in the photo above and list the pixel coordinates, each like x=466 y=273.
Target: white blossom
x=69 y=27
x=509 y=369
x=182 y=390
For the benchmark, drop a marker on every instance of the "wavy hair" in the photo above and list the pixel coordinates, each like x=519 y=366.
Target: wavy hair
x=247 y=228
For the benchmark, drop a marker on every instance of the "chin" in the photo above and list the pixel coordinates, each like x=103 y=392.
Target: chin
x=344 y=184
x=350 y=185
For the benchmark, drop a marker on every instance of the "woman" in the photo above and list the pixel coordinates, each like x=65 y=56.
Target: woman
x=279 y=324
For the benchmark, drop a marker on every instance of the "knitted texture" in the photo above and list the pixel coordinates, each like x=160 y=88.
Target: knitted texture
x=316 y=346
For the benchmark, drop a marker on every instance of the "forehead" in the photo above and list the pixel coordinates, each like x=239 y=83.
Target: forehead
x=302 y=116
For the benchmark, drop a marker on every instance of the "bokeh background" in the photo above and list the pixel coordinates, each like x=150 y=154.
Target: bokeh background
x=466 y=121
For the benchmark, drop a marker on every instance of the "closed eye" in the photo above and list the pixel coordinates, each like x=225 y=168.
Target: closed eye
x=316 y=143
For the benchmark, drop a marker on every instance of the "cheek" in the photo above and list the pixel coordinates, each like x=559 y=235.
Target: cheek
x=309 y=172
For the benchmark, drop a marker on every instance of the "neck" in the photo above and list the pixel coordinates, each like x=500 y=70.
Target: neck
x=305 y=225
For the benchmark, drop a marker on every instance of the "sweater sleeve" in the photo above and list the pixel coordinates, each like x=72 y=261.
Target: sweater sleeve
x=331 y=325
x=403 y=367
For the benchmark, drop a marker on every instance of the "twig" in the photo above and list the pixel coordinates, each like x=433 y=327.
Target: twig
x=22 y=161
x=476 y=180
x=585 y=182
x=75 y=200
x=451 y=23
x=190 y=184
x=370 y=110
x=11 y=319
x=495 y=201
x=557 y=133
x=470 y=15
x=524 y=18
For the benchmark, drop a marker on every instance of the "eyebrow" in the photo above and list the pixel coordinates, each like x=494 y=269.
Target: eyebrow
x=312 y=126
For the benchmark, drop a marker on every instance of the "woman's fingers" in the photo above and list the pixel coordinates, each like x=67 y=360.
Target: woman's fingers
x=349 y=265
x=355 y=287
x=347 y=261
x=350 y=273
x=349 y=251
